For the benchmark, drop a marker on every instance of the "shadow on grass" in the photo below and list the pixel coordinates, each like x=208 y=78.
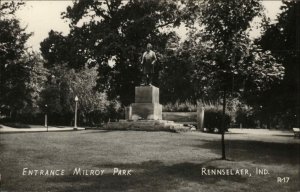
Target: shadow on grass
x=17 y=125
x=122 y=130
x=257 y=151
x=103 y=131
x=59 y=126
x=291 y=136
x=147 y=176
x=230 y=133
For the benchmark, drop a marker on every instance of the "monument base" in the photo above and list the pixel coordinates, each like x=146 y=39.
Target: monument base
x=150 y=111
x=147 y=125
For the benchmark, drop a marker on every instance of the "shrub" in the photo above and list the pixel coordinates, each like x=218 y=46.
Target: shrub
x=245 y=116
x=213 y=119
x=113 y=111
x=186 y=106
x=213 y=116
x=213 y=112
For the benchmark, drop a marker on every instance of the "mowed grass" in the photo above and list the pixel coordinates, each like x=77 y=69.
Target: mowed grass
x=161 y=161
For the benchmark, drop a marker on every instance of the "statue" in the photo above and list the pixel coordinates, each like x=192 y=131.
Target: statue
x=148 y=61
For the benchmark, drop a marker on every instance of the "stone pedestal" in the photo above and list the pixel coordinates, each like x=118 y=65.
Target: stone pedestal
x=145 y=114
x=128 y=113
x=146 y=104
x=200 y=118
x=146 y=94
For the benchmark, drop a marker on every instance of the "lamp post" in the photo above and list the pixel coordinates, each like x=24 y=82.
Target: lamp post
x=46 y=116
x=75 y=119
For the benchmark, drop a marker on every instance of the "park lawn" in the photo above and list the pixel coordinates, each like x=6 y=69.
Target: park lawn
x=161 y=161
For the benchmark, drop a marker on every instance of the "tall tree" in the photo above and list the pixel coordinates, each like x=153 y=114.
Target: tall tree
x=230 y=60
x=14 y=68
x=36 y=83
x=178 y=80
x=113 y=34
x=63 y=85
x=283 y=40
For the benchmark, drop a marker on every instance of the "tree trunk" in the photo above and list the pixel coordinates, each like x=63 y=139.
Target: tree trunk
x=223 y=126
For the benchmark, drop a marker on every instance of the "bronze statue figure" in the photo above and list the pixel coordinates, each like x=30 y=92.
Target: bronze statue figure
x=148 y=61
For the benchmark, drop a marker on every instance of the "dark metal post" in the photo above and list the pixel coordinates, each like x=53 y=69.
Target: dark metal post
x=75 y=119
x=46 y=117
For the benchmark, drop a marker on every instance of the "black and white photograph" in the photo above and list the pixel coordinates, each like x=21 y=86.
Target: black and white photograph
x=149 y=95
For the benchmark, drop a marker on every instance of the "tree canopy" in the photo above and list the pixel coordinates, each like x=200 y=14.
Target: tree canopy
x=112 y=34
x=107 y=38
x=63 y=84
x=224 y=53
x=282 y=40
x=14 y=65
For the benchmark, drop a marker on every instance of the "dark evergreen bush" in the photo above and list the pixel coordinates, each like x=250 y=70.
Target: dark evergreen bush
x=213 y=119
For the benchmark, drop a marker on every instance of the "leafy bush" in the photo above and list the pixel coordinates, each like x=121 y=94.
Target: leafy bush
x=186 y=106
x=245 y=116
x=189 y=106
x=213 y=119
x=213 y=112
x=113 y=111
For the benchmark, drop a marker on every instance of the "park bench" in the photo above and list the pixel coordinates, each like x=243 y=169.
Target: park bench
x=296 y=132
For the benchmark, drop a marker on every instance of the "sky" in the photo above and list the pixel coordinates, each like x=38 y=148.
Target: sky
x=40 y=17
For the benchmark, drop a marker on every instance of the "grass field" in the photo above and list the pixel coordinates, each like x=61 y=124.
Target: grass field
x=160 y=161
